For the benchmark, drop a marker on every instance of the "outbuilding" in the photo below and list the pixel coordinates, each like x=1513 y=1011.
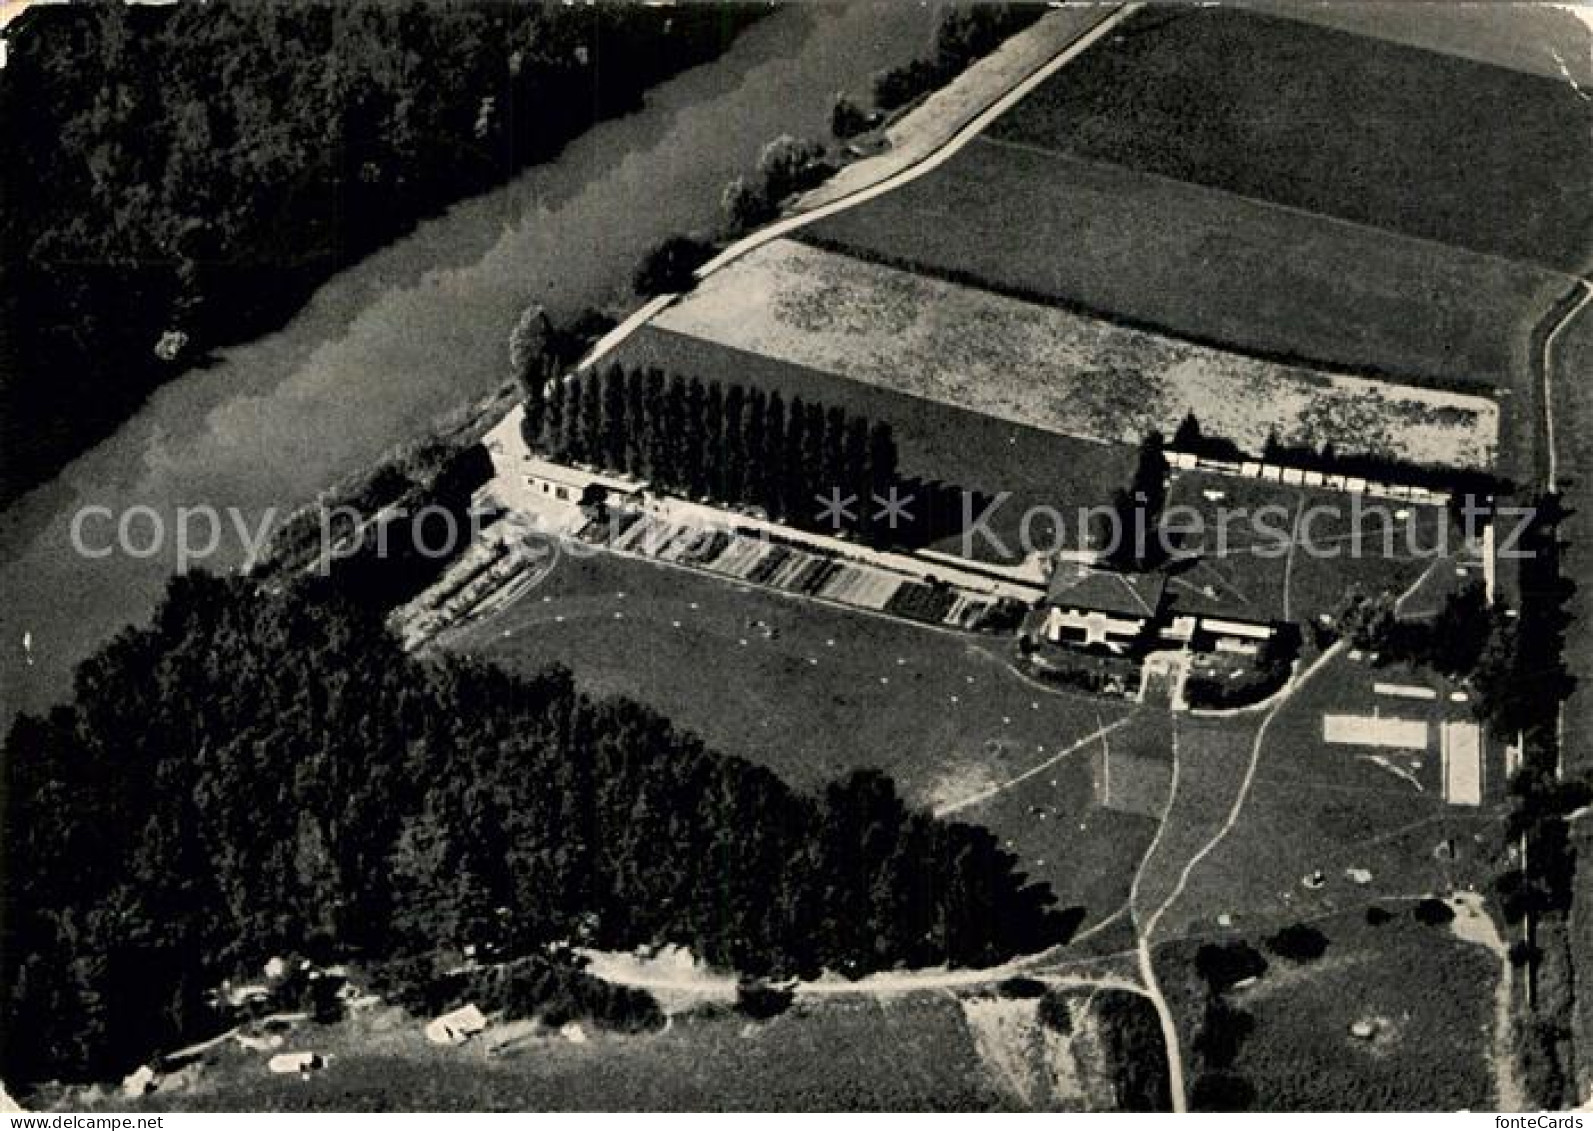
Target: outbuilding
x=303 y=1063
x=456 y=1027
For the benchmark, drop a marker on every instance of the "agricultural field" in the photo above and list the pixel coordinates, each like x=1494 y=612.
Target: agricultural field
x=1054 y=370
x=1206 y=265
x=813 y=692
x=1547 y=40
x=1425 y=1047
x=1417 y=142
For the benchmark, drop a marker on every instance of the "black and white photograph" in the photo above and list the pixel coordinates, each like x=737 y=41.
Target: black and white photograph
x=812 y=556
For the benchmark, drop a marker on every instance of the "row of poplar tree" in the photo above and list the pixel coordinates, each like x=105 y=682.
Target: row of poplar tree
x=721 y=442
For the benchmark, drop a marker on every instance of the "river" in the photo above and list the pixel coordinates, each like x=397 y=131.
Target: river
x=393 y=342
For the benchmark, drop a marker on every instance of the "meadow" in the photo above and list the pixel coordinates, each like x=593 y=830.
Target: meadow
x=1425 y=993
x=911 y=1054
x=1246 y=569
x=813 y=692
x=1313 y=806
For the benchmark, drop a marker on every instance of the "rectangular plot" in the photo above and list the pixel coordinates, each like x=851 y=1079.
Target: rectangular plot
x=858 y=585
x=1462 y=755
x=1375 y=731
x=1056 y=370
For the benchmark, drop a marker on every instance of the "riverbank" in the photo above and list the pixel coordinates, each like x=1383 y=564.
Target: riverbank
x=387 y=346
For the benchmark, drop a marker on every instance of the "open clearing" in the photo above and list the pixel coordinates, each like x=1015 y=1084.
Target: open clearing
x=911 y=1053
x=1315 y=806
x=1428 y=144
x=1051 y=369
x=1206 y=265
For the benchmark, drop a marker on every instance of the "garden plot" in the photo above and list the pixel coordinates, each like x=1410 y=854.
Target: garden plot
x=1055 y=370
x=749 y=558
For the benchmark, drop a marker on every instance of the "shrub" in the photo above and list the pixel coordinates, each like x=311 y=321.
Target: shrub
x=668 y=268
x=1224 y=965
x=761 y=1001
x=1298 y=943
x=1221 y=1091
x=898 y=86
x=847 y=118
x=1433 y=913
x=1021 y=988
x=745 y=204
x=1131 y=1041
x=789 y=164
x=1377 y=916
x=1053 y=1013
x=1223 y=1031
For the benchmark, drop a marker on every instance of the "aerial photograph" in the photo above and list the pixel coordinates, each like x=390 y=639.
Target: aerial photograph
x=687 y=556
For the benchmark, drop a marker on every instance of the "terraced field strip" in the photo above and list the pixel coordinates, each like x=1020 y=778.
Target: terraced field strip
x=1204 y=264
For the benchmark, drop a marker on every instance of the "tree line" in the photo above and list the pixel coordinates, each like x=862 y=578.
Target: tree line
x=264 y=772
x=710 y=440
x=966 y=33
x=179 y=177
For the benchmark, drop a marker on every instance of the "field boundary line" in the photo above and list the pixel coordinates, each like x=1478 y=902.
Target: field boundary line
x=1291 y=209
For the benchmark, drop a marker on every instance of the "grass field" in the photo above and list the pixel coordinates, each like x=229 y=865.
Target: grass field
x=1206 y=265
x=1316 y=806
x=909 y=1054
x=1341 y=542
x=813 y=692
x=1427 y=994
x=1051 y=369
x=1428 y=144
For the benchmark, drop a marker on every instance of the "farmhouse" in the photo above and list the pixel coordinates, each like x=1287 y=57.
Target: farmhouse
x=1098 y=607
x=1085 y=606
x=1224 y=634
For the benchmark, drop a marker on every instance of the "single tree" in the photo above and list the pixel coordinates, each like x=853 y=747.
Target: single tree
x=745 y=204
x=1186 y=437
x=669 y=267
x=847 y=118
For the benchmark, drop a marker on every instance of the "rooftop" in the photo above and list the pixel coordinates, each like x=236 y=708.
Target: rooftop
x=1077 y=586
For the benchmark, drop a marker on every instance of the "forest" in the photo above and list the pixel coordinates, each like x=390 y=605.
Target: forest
x=261 y=772
x=181 y=177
